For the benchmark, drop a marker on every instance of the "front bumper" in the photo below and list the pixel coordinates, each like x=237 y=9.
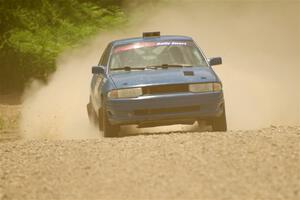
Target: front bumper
x=166 y=107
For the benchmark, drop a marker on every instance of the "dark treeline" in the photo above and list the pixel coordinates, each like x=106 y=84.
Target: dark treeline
x=34 y=32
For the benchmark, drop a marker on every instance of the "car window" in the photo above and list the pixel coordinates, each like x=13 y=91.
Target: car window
x=157 y=53
x=105 y=56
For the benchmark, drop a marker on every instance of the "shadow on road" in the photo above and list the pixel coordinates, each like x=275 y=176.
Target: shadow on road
x=128 y=131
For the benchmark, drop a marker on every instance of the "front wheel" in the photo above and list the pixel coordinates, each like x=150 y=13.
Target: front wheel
x=219 y=123
x=108 y=129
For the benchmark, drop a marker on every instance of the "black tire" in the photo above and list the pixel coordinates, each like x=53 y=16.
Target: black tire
x=219 y=123
x=108 y=129
x=92 y=114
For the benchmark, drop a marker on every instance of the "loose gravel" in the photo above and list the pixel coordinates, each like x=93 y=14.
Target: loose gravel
x=260 y=164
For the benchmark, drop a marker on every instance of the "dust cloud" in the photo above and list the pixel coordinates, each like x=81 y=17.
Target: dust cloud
x=57 y=110
x=259 y=43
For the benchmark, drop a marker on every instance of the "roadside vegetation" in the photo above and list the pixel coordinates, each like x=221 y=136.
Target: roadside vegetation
x=2 y=125
x=9 y=117
x=34 y=33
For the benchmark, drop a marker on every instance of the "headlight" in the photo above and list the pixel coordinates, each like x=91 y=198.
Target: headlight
x=205 y=87
x=125 y=93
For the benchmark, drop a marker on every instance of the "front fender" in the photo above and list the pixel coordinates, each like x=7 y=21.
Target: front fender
x=105 y=86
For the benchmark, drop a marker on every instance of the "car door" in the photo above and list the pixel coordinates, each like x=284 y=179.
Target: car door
x=99 y=79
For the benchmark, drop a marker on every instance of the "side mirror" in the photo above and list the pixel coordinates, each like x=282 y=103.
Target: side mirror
x=215 y=61
x=97 y=70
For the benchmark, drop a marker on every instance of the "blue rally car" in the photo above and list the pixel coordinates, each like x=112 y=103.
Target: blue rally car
x=155 y=80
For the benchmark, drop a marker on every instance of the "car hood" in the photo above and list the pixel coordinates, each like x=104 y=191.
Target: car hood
x=124 y=79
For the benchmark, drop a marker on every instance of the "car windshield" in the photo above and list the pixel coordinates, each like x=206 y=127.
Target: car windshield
x=154 y=54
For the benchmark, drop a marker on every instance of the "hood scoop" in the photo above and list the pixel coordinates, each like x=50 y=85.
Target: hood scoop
x=188 y=73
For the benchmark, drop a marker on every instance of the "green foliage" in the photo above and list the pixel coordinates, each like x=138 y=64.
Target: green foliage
x=34 y=33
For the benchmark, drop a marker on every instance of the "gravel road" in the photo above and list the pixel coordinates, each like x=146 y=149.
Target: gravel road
x=261 y=164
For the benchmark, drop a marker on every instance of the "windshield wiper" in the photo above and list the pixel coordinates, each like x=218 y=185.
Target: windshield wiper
x=163 y=66
x=128 y=68
x=166 y=66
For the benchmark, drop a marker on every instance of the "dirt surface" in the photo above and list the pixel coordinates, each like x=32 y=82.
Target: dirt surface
x=262 y=164
x=9 y=121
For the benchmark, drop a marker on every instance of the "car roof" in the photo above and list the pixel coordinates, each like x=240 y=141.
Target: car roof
x=151 y=39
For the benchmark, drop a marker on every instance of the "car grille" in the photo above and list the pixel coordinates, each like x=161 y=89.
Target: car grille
x=165 y=89
x=167 y=110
